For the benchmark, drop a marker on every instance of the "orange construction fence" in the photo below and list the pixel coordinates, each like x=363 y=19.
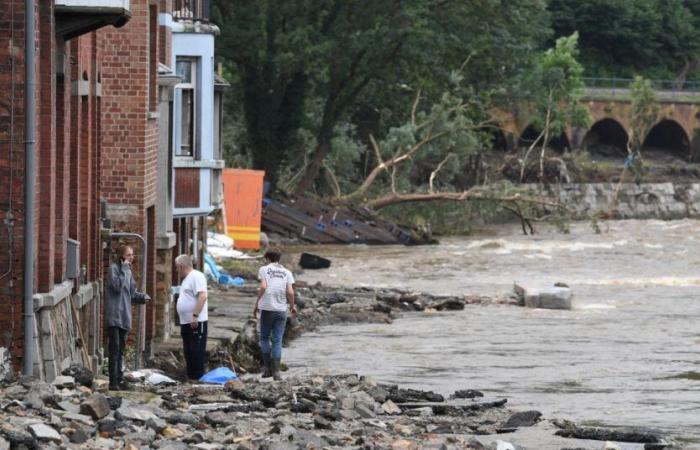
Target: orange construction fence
x=243 y=191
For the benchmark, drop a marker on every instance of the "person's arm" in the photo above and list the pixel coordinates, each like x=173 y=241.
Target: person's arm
x=290 y=298
x=115 y=277
x=198 y=307
x=261 y=292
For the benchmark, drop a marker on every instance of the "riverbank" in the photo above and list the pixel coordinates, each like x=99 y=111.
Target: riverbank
x=314 y=411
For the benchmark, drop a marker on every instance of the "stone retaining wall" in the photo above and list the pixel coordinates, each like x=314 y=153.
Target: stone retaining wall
x=644 y=201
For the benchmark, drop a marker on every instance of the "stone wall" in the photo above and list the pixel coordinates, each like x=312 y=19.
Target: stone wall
x=644 y=201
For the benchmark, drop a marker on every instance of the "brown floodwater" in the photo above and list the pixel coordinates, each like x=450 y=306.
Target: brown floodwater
x=627 y=354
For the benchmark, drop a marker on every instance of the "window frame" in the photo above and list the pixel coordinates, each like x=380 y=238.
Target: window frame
x=189 y=86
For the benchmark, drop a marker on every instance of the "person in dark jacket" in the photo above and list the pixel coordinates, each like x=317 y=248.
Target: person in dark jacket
x=121 y=293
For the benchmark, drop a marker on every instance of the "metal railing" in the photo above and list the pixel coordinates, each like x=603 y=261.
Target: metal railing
x=622 y=85
x=194 y=10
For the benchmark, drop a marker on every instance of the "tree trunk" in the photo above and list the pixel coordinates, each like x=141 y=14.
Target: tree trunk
x=323 y=147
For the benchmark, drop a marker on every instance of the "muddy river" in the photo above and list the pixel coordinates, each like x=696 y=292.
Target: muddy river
x=627 y=354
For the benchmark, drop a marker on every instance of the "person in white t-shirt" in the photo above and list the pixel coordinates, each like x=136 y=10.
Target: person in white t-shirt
x=194 y=316
x=276 y=292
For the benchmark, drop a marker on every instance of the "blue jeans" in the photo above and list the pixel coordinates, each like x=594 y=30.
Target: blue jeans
x=272 y=325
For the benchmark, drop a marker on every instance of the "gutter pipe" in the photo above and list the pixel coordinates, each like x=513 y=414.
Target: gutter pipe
x=29 y=186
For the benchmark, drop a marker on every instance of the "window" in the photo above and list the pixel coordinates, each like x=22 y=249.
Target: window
x=187 y=69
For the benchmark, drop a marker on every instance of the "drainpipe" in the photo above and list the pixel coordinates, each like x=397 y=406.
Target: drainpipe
x=141 y=319
x=29 y=181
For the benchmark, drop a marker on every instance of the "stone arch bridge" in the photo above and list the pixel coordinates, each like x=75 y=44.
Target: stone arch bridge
x=676 y=131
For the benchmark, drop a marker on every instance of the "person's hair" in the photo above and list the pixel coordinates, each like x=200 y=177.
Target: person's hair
x=273 y=255
x=121 y=251
x=184 y=260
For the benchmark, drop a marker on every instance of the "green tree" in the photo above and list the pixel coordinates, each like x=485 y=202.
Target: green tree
x=289 y=56
x=621 y=38
x=644 y=113
x=555 y=88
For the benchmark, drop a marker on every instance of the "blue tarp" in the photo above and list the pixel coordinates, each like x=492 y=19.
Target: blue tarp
x=220 y=276
x=219 y=375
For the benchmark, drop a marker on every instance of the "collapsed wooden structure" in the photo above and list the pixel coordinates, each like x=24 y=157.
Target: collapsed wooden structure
x=319 y=223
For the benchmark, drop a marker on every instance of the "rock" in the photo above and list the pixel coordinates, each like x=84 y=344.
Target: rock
x=17 y=436
x=95 y=406
x=219 y=419
x=64 y=381
x=636 y=435
x=390 y=408
x=131 y=413
x=364 y=411
x=33 y=399
x=82 y=375
x=322 y=424
x=208 y=446
x=4 y=444
x=403 y=444
x=15 y=392
x=611 y=446
x=404 y=430
x=349 y=414
x=172 y=433
x=182 y=417
x=346 y=403
x=475 y=444
x=156 y=424
x=107 y=425
x=467 y=393
x=69 y=407
x=80 y=418
x=100 y=385
x=114 y=402
x=502 y=445
x=522 y=419
x=78 y=436
x=143 y=437
x=44 y=432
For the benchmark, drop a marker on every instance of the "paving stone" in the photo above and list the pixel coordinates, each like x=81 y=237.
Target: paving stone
x=44 y=432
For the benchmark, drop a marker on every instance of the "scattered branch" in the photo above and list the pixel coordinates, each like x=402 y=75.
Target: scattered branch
x=434 y=173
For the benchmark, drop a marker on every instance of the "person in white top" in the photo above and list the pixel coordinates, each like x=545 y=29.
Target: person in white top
x=275 y=293
x=194 y=316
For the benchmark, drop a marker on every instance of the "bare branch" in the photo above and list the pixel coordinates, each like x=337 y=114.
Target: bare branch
x=434 y=173
x=466 y=61
x=375 y=146
x=333 y=181
x=415 y=107
x=393 y=180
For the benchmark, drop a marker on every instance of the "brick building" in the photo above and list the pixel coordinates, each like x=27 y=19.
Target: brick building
x=113 y=111
x=67 y=246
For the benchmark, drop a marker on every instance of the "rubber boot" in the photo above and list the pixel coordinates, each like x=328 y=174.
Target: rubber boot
x=267 y=370
x=275 y=364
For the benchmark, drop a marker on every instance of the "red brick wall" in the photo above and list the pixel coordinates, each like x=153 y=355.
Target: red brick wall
x=129 y=145
x=65 y=203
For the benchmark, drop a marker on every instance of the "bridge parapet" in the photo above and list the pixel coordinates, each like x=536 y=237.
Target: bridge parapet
x=618 y=89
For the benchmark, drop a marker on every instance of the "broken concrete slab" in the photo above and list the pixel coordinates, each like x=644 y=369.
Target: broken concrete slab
x=544 y=297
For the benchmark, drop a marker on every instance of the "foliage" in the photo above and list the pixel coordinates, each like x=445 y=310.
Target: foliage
x=644 y=113
x=621 y=38
x=555 y=88
x=348 y=60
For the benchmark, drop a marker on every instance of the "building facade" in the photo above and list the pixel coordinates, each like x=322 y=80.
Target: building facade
x=64 y=247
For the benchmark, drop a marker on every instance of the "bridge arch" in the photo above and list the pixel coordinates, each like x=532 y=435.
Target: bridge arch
x=558 y=143
x=606 y=137
x=669 y=137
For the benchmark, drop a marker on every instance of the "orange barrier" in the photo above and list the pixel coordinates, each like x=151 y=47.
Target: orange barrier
x=243 y=204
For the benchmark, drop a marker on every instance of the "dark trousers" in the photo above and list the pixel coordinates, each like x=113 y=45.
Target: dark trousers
x=117 y=342
x=194 y=346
